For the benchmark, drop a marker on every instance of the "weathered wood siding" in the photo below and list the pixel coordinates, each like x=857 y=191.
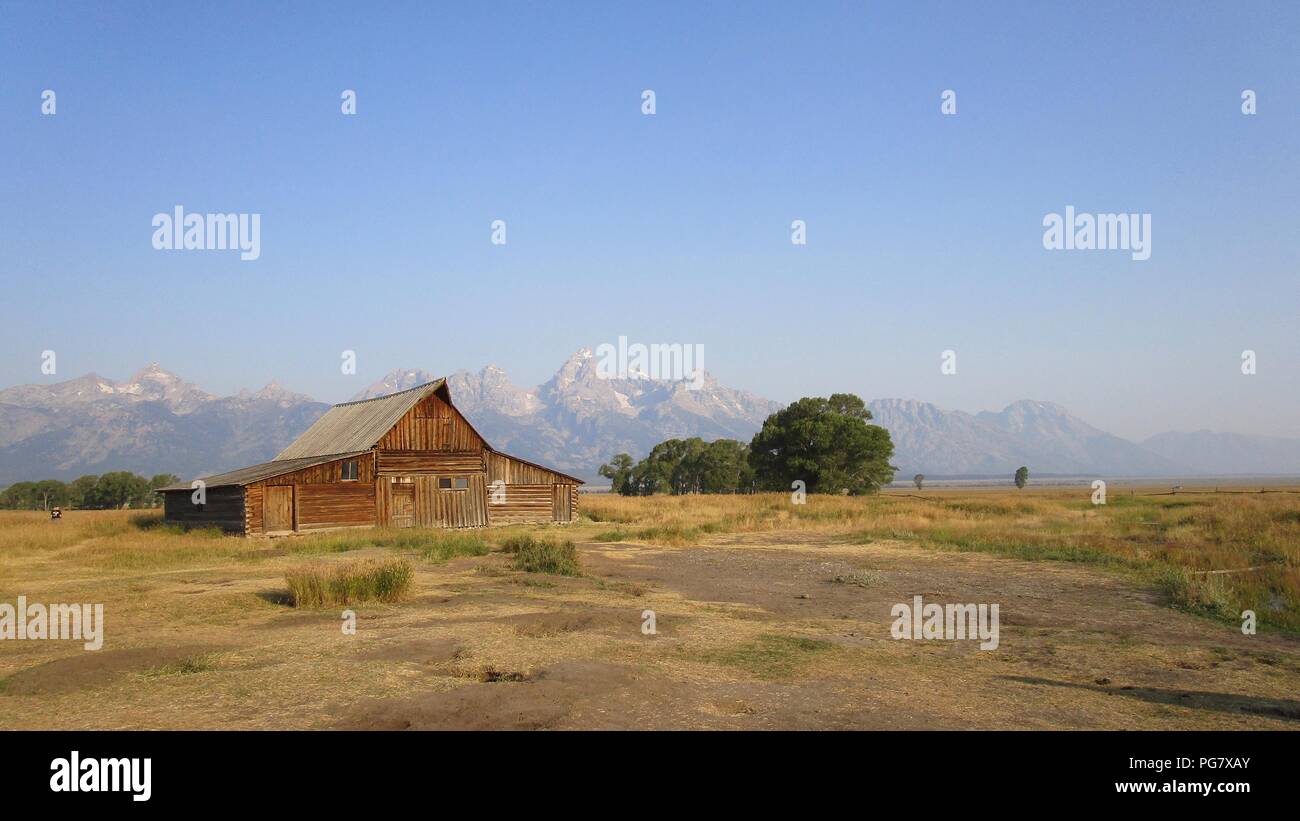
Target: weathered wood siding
x=562 y=503
x=345 y=504
x=532 y=493
x=322 y=498
x=448 y=507
x=253 y=509
x=515 y=471
x=327 y=473
x=412 y=462
x=523 y=503
x=224 y=508
x=400 y=504
x=278 y=511
x=432 y=425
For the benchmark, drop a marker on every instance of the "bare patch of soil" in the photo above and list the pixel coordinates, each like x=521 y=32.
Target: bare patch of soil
x=423 y=651
x=585 y=693
x=542 y=625
x=92 y=668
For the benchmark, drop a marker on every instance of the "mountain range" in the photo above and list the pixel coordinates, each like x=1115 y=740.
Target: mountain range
x=158 y=423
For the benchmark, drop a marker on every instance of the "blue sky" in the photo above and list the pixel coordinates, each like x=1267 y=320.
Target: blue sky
x=924 y=230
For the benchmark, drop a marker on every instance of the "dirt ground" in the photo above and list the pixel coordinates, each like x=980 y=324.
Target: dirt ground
x=753 y=631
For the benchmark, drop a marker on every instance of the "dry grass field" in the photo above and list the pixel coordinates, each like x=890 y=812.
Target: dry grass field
x=767 y=615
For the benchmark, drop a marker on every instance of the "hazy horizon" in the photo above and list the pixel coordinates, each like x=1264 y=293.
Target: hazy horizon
x=924 y=230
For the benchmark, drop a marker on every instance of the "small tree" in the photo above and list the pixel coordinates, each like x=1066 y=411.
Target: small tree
x=1022 y=476
x=918 y=479
x=619 y=473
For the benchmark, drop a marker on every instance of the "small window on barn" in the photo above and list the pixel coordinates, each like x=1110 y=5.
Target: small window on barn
x=349 y=471
x=462 y=483
x=444 y=483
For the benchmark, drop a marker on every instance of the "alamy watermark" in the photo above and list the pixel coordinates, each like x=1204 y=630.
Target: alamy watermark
x=77 y=774
x=670 y=363
x=75 y=622
x=180 y=231
x=1098 y=232
x=951 y=622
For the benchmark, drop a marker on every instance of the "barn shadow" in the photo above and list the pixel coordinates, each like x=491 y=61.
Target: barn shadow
x=1287 y=709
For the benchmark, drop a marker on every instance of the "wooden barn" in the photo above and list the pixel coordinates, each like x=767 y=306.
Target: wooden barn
x=409 y=459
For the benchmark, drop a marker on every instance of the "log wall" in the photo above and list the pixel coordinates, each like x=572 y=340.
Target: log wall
x=224 y=508
x=412 y=462
x=345 y=504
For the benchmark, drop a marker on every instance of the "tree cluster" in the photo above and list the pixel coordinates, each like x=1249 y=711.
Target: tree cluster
x=118 y=489
x=826 y=443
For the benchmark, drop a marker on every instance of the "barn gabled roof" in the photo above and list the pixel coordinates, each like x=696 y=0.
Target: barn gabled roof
x=346 y=430
x=356 y=426
x=256 y=473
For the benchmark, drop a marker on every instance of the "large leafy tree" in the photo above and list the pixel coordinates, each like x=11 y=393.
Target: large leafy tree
x=80 y=490
x=119 y=489
x=723 y=467
x=1022 y=477
x=827 y=443
x=661 y=470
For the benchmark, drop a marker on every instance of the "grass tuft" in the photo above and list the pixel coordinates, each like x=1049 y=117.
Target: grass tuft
x=536 y=555
x=447 y=546
x=324 y=585
x=769 y=655
x=188 y=666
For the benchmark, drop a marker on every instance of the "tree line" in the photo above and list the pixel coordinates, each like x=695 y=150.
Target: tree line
x=114 y=490
x=825 y=443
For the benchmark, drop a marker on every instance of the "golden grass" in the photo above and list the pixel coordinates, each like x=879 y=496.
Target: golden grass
x=199 y=634
x=1179 y=543
x=1214 y=554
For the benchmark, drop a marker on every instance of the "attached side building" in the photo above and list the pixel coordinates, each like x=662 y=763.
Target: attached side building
x=409 y=459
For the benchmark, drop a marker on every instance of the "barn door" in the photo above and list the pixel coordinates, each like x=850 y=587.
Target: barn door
x=561 y=503
x=429 y=509
x=402 y=512
x=451 y=501
x=277 y=509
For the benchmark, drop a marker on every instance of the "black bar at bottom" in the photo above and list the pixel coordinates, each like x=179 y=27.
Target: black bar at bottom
x=333 y=771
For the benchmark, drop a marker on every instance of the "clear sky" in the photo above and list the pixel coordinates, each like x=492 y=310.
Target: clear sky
x=924 y=230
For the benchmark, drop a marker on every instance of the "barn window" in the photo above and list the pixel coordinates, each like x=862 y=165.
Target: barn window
x=444 y=483
x=462 y=483
x=349 y=470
